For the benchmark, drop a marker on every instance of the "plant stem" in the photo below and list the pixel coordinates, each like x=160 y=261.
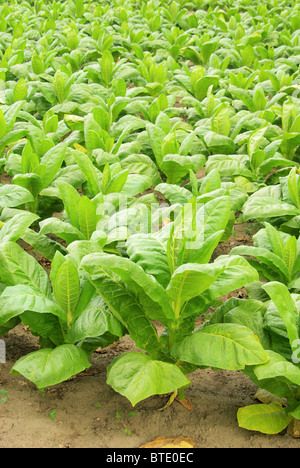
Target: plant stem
x=172 y=338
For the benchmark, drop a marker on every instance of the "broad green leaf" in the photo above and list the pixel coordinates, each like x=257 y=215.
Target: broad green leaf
x=2 y=124
x=223 y=346
x=281 y=297
x=190 y=280
x=59 y=86
x=202 y=85
x=293 y=187
x=249 y=313
x=268 y=419
x=137 y=377
x=174 y=193
x=107 y=66
x=175 y=167
x=268 y=258
x=48 y=367
x=70 y=198
x=255 y=140
x=81 y=248
x=117 y=182
x=278 y=367
x=18 y=267
x=257 y=207
x=15 y=227
x=219 y=144
x=87 y=217
x=42 y=244
x=61 y=229
x=221 y=122
x=95 y=320
x=11 y=195
x=53 y=160
x=89 y=171
x=290 y=254
x=151 y=255
x=156 y=137
x=20 y=298
x=31 y=182
x=275 y=240
x=66 y=289
x=237 y=273
x=148 y=291
x=123 y=305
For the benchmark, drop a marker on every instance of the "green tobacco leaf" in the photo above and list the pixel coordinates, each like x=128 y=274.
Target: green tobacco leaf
x=293 y=187
x=151 y=255
x=137 y=377
x=223 y=346
x=15 y=227
x=117 y=182
x=283 y=300
x=93 y=322
x=123 y=304
x=174 y=193
x=61 y=229
x=17 y=267
x=89 y=171
x=79 y=249
x=48 y=367
x=268 y=258
x=275 y=239
x=107 y=66
x=17 y=299
x=190 y=280
x=249 y=313
x=148 y=291
x=87 y=218
x=2 y=124
x=156 y=137
x=175 y=167
x=31 y=182
x=66 y=289
x=219 y=144
x=70 y=198
x=290 y=254
x=278 y=367
x=268 y=419
x=257 y=207
x=237 y=273
x=11 y=196
x=53 y=160
x=221 y=122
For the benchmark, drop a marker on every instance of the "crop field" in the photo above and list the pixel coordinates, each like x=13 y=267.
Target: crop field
x=149 y=223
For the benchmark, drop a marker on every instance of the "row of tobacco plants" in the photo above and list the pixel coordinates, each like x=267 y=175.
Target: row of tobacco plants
x=149 y=128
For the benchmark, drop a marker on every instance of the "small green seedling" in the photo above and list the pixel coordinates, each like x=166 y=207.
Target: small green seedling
x=4 y=398
x=52 y=415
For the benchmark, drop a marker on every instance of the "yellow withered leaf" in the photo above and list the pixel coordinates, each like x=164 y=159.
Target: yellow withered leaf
x=164 y=442
x=78 y=147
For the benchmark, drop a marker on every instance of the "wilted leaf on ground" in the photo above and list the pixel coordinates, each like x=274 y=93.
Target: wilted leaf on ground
x=164 y=442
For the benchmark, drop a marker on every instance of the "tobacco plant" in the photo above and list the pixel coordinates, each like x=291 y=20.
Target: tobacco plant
x=167 y=278
x=276 y=323
x=70 y=320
